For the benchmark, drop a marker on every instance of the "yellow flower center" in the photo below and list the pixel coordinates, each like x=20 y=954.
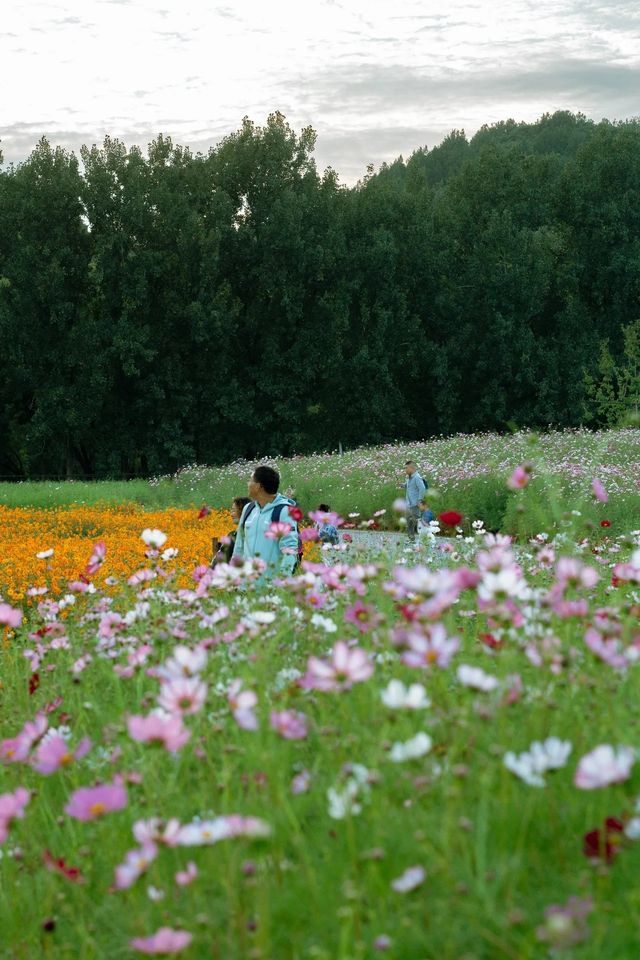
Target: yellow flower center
x=97 y=808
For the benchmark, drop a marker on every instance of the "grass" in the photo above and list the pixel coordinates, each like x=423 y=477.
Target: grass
x=496 y=852
x=467 y=473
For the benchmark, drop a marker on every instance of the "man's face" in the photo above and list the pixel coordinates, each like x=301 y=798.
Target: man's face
x=253 y=488
x=409 y=469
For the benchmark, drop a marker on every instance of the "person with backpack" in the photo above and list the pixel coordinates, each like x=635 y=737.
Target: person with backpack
x=327 y=532
x=415 y=489
x=257 y=534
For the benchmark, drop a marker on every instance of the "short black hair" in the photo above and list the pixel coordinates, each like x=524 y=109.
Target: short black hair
x=410 y=463
x=268 y=478
x=240 y=502
x=325 y=508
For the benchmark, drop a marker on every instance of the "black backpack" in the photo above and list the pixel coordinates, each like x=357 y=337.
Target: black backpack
x=275 y=518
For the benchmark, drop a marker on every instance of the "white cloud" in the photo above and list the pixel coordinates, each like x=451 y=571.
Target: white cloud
x=375 y=79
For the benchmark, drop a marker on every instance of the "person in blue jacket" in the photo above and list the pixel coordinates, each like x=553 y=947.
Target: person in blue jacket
x=266 y=507
x=415 y=489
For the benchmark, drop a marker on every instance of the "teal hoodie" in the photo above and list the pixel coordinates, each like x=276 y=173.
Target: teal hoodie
x=279 y=555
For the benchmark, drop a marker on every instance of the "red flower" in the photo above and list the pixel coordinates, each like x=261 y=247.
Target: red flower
x=605 y=523
x=490 y=641
x=204 y=512
x=296 y=514
x=450 y=518
x=34 y=683
x=604 y=843
x=59 y=866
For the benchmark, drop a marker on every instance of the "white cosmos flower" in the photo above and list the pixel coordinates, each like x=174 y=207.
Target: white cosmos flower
x=398 y=697
x=169 y=553
x=409 y=880
x=411 y=749
x=343 y=802
x=44 y=554
x=327 y=625
x=476 y=678
x=603 y=766
x=505 y=583
x=261 y=616
x=154 y=538
x=551 y=754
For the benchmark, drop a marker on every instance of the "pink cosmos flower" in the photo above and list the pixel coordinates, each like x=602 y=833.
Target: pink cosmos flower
x=184 y=877
x=362 y=616
x=429 y=648
x=301 y=782
x=97 y=558
x=242 y=704
x=17 y=749
x=157 y=832
x=12 y=808
x=136 y=862
x=571 y=572
x=599 y=491
x=185 y=662
x=10 y=616
x=166 y=729
x=88 y=803
x=141 y=576
x=322 y=517
x=163 y=942
x=346 y=667
x=278 y=530
x=607 y=649
x=520 y=477
x=604 y=766
x=54 y=753
x=290 y=724
x=184 y=696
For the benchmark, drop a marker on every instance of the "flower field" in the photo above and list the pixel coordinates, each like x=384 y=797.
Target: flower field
x=67 y=531
x=434 y=756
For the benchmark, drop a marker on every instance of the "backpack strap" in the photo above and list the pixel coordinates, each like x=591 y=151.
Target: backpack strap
x=247 y=510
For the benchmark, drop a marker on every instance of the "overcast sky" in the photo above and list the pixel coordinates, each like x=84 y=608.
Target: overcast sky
x=376 y=78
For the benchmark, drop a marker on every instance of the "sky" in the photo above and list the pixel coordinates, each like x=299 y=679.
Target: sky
x=375 y=78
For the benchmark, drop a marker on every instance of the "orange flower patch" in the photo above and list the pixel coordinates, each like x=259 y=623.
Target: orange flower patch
x=72 y=531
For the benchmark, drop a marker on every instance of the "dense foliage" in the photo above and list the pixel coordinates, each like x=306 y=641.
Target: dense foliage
x=164 y=309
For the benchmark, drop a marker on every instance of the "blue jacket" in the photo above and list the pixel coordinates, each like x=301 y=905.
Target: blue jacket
x=251 y=540
x=415 y=489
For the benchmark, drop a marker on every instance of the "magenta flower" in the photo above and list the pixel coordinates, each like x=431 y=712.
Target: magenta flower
x=346 y=667
x=599 y=491
x=88 y=803
x=12 y=808
x=10 y=616
x=322 y=517
x=54 y=753
x=520 y=477
x=97 y=558
x=163 y=942
x=430 y=648
x=166 y=729
x=16 y=749
x=362 y=616
x=290 y=724
x=242 y=704
x=184 y=877
x=607 y=649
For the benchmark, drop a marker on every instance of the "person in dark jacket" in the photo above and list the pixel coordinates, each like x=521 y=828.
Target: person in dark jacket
x=223 y=550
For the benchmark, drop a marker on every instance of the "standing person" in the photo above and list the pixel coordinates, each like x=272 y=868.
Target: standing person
x=223 y=549
x=415 y=489
x=255 y=538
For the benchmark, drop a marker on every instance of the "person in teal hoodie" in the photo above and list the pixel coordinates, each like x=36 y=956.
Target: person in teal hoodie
x=280 y=553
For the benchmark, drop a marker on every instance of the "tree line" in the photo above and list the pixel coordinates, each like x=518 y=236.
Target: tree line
x=165 y=308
